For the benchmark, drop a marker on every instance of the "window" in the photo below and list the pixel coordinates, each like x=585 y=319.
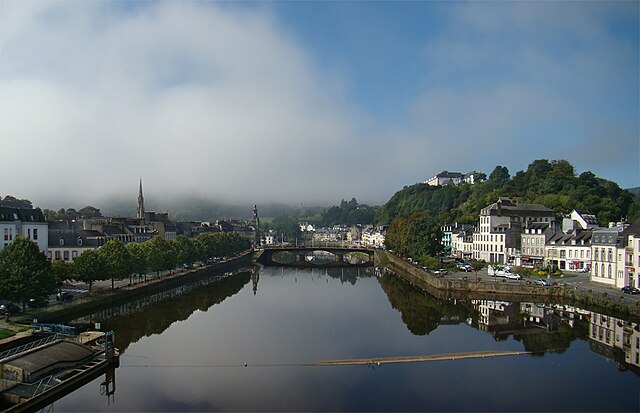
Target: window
x=29 y=233
x=595 y=270
x=609 y=270
x=6 y=234
x=35 y=234
x=581 y=253
x=65 y=254
x=79 y=241
x=610 y=255
x=602 y=273
x=57 y=255
x=61 y=242
x=74 y=254
x=596 y=254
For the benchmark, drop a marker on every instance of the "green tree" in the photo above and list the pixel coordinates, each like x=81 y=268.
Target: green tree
x=27 y=272
x=117 y=259
x=187 y=251
x=61 y=271
x=415 y=236
x=90 y=212
x=160 y=254
x=13 y=202
x=89 y=267
x=138 y=259
x=477 y=266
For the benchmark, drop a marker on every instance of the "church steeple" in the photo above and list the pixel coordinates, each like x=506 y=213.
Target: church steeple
x=140 y=213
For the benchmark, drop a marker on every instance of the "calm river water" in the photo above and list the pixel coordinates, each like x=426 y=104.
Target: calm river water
x=186 y=349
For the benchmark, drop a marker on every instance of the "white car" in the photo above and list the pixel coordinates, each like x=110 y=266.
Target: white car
x=513 y=276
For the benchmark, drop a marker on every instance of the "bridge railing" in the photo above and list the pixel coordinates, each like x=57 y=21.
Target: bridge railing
x=320 y=245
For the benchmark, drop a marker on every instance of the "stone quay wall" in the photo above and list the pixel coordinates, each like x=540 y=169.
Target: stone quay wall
x=501 y=290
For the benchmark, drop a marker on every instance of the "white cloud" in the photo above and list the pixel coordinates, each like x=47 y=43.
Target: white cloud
x=194 y=97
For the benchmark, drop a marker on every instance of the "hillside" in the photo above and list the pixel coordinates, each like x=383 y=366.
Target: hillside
x=551 y=183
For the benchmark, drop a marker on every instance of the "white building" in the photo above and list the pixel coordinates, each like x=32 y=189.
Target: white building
x=579 y=220
x=629 y=255
x=269 y=238
x=453 y=178
x=532 y=243
x=69 y=245
x=570 y=251
x=373 y=237
x=498 y=236
x=605 y=243
x=25 y=222
x=462 y=243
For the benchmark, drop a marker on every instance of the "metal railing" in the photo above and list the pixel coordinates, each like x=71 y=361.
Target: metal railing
x=29 y=346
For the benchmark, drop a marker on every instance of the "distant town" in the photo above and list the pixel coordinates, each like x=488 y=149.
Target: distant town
x=526 y=235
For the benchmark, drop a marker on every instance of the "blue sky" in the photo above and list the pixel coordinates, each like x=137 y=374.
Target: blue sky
x=309 y=101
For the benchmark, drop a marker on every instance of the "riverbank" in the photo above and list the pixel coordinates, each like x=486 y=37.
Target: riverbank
x=125 y=291
x=496 y=290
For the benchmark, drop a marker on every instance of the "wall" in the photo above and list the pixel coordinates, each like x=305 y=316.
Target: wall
x=448 y=288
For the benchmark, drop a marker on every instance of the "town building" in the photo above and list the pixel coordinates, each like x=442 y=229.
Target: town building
x=447 y=233
x=462 y=243
x=570 y=251
x=579 y=220
x=23 y=222
x=533 y=241
x=68 y=240
x=498 y=235
x=373 y=237
x=629 y=255
x=453 y=178
x=605 y=243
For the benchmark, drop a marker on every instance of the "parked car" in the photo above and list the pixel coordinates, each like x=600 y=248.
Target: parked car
x=38 y=302
x=542 y=282
x=630 y=290
x=513 y=276
x=64 y=296
x=441 y=273
x=465 y=267
x=9 y=308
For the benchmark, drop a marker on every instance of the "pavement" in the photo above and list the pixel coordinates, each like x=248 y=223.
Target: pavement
x=577 y=280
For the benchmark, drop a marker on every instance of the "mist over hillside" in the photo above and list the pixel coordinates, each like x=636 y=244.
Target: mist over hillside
x=205 y=210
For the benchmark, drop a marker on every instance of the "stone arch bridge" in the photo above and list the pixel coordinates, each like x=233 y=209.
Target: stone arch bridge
x=300 y=252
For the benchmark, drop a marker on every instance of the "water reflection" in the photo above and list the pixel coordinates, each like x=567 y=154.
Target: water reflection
x=153 y=314
x=186 y=354
x=540 y=327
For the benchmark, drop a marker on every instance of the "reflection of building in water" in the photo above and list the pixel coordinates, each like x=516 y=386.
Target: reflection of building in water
x=497 y=316
x=539 y=315
x=570 y=314
x=615 y=339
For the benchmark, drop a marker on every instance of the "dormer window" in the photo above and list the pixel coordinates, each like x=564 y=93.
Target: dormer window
x=61 y=242
x=79 y=241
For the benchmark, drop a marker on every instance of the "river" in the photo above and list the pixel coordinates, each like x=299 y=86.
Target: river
x=249 y=341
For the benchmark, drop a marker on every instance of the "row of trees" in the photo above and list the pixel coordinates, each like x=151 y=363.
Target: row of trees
x=348 y=213
x=71 y=214
x=26 y=273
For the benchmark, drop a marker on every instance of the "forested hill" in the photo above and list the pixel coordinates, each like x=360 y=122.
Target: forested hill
x=551 y=183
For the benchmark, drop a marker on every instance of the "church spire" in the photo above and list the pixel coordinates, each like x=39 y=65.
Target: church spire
x=140 y=213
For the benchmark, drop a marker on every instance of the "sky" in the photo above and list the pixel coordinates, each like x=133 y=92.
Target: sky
x=308 y=102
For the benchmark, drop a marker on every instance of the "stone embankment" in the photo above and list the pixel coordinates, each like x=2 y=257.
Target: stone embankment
x=471 y=289
x=128 y=292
